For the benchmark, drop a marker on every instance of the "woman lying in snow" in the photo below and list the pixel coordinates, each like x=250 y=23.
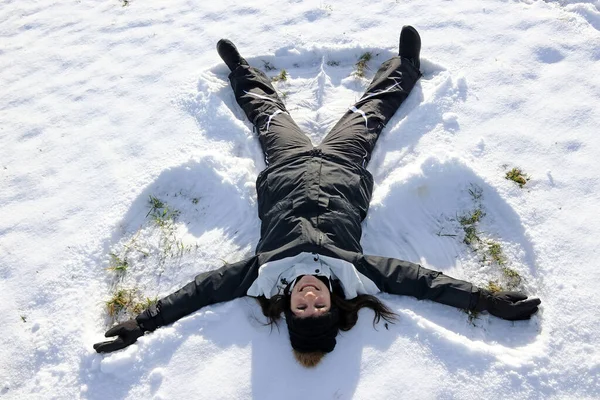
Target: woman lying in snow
x=309 y=263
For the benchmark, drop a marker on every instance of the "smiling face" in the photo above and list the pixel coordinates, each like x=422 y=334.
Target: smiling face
x=310 y=297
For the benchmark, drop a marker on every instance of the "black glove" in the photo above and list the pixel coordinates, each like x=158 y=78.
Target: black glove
x=128 y=332
x=512 y=306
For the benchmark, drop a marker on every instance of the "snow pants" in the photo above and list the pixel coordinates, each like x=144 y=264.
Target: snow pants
x=353 y=138
x=314 y=199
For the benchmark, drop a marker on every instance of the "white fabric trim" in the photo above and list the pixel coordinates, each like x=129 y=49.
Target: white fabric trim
x=260 y=96
x=361 y=112
x=397 y=80
x=274 y=276
x=271 y=117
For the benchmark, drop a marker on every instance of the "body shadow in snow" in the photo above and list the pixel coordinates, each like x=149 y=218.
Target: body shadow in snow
x=208 y=198
x=234 y=332
x=223 y=330
x=423 y=112
x=405 y=221
x=212 y=194
x=411 y=211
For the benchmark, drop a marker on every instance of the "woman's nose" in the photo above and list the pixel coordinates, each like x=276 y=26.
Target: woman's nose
x=310 y=294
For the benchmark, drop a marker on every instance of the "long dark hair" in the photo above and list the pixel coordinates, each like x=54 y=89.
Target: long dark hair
x=348 y=308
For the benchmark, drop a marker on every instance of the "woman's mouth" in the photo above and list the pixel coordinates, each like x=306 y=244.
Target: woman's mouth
x=308 y=285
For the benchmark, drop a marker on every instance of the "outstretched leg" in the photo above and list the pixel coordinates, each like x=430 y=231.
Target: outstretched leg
x=353 y=138
x=278 y=134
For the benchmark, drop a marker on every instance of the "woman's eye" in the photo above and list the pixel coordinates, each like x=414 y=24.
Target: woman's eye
x=320 y=306
x=301 y=308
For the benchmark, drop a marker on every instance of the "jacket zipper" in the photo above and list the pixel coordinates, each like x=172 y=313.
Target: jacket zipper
x=318 y=154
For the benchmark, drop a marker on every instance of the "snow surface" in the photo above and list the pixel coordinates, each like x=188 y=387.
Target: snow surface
x=103 y=105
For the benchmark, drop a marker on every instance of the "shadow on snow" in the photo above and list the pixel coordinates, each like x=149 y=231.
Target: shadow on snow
x=402 y=223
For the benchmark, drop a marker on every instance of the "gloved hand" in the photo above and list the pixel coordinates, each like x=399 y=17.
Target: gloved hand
x=128 y=332
x=512 y=306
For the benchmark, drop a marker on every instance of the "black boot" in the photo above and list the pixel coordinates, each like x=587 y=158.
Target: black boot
x=410 y=45
x=230 y=54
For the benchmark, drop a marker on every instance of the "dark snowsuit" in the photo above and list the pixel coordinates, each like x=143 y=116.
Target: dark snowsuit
x=313 y=199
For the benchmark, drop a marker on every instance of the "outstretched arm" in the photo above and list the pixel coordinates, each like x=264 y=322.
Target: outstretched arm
x=405 y=278
x=226 y=283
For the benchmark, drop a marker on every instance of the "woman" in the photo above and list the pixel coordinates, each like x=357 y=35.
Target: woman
x=308 y=263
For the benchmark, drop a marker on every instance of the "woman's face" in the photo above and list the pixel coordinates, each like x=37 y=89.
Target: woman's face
x=310 y=297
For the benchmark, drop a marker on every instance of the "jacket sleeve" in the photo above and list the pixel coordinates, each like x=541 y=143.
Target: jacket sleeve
x=409 y=279
x=226 y=283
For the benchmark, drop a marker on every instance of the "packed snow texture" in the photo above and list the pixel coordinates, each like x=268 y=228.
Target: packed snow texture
x=106 y=103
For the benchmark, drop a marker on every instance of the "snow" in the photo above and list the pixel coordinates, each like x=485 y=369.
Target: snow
x=104 y=105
